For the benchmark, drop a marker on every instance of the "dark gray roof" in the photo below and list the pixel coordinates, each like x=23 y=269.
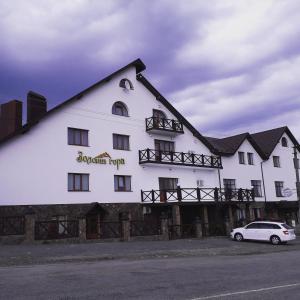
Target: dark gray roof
x=263 y=142
x=267 y=140
x=229 y=145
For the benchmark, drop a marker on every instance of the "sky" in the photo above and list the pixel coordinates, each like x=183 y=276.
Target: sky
x=228 y=66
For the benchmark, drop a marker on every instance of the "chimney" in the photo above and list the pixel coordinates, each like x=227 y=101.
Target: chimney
x=10 y=117
x=36 y=107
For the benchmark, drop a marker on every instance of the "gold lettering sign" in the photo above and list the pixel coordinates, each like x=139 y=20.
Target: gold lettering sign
x=103 y=159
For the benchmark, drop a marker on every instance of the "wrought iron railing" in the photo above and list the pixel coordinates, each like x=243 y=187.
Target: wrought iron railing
x=179 y=158
x=12 y=225
x=110 y=230
x=144 y=228
x=164 y=124
x=49 y=230
x=197 y=194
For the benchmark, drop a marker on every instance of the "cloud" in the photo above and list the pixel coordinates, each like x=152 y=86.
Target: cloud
x=228 y=66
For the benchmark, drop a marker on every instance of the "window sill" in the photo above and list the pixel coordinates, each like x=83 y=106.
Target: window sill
x=79 y=145
x=124 y=191
x=122 y=149
x=79 y=191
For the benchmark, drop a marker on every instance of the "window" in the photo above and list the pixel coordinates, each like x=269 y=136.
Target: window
x=119 y=108
x=229 y=184
x=278 y=188
x=120 y=142
x=284 y=142
x=122 y=183
x=78 y=182
x=257 y=213
x=164 y=146
x=78 y=137
x=242 y=158
x=250 y=158
x=167 y=183
x=276 y=161
x=256 y=184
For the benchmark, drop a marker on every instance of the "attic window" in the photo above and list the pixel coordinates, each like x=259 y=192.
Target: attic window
x=284 y=142
x=126 y=84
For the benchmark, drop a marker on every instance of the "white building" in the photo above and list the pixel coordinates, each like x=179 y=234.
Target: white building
x=121 y=144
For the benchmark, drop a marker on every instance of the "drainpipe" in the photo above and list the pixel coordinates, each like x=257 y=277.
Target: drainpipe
x=296 y=165
x=263 y=180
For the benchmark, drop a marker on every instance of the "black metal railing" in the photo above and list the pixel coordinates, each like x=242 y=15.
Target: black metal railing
x=109 y=230
x=144 y=228
x=12 y=225
x=179 y=158
x=197 y=194
x=50 y=230
x=174 y=126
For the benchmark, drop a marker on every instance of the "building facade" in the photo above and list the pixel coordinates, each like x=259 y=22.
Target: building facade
x=121 y=144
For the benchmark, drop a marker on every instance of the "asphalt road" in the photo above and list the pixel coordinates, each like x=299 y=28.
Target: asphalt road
x=248 y=276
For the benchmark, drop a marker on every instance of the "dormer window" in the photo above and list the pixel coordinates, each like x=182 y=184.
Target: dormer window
x=120 y=109
x=284 y=142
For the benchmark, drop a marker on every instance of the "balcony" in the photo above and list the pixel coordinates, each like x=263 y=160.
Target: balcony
x=164 y=126
x=179 y=158
x=197 y=195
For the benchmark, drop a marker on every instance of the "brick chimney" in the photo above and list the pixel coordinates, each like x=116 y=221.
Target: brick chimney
x=10 y=117
x=36 y=107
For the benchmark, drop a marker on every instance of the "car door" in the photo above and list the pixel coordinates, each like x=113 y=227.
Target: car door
x=267 y=230
x=251 y=231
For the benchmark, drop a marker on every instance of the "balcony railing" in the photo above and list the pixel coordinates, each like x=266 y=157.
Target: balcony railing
x=179 y=158
x=154 y=123
x=197 y=195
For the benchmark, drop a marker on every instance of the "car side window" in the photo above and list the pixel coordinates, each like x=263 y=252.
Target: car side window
x=266 y=226
x=252 y=226
x=275 y=226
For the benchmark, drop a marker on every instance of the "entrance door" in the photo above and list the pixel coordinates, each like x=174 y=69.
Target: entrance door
x=165 y=185
x=92 y=227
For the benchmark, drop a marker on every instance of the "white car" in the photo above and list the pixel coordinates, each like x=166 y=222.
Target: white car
x=275 y=232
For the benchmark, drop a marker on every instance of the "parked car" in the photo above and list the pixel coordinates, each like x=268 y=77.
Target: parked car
x=275 y=232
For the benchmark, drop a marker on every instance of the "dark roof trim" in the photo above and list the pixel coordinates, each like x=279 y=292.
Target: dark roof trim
x=173 y=110
x=138 y=64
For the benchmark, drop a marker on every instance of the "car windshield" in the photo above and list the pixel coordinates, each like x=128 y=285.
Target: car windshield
x=286 y=226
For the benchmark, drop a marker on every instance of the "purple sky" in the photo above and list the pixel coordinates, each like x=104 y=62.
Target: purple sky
x=228 y=66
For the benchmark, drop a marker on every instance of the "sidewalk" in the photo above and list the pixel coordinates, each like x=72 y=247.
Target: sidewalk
x=64 y=253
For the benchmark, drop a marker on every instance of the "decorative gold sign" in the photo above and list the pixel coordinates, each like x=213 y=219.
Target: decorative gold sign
x=103 y=159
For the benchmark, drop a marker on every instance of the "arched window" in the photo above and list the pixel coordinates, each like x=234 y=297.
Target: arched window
x=284 y=142
x=120 y=109
x=126 y=84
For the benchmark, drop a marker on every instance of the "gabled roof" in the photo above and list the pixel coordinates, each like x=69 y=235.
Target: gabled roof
x=138 y=64
x=178 y=115
x=267 y=140
x=229 y=145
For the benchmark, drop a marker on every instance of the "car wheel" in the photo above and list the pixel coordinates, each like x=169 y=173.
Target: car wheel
x=275 y=240
x=238 y=237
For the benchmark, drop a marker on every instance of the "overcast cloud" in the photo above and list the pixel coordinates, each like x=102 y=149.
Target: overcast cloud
x=228 y=66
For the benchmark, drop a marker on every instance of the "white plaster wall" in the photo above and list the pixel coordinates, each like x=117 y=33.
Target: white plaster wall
x=243 y=174
x=285 y=173
x=34 y=166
